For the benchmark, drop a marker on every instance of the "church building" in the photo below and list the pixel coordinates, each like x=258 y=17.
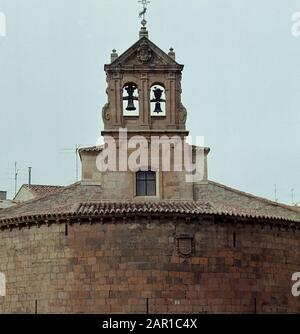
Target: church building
x=142 y=233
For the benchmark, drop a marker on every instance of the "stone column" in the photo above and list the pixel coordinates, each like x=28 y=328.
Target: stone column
x=144 y=105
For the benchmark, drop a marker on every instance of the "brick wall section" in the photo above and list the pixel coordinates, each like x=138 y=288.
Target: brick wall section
x=114 y=268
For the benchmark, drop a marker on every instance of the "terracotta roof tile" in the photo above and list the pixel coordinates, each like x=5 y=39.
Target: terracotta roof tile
x=81 y=200
x=91 y=149
x=175 y=207
x=183 y=207
x=41 y=190
x=38 y=190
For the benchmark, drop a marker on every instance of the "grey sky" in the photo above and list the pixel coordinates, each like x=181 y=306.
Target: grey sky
x=241 y=84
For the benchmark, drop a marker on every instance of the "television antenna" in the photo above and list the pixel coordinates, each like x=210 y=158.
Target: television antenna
x=75 y=151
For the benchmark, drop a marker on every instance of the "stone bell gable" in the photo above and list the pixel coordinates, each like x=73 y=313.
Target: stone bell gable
x=144 y=66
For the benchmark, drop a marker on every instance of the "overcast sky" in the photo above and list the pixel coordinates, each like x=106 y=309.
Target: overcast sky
x=241 y=84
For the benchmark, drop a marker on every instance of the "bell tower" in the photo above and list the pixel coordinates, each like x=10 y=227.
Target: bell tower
x=144 y=100
x=144 y=91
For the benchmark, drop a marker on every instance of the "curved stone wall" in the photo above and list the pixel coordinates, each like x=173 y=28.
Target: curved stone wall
x=208 y=265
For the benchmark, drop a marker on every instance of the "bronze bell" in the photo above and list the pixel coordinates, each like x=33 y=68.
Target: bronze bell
x=157 y=108
x=158 y=99
x=130 y=88
x=130 y=106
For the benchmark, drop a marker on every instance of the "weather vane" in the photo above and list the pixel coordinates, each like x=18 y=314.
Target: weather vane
x=143 y=12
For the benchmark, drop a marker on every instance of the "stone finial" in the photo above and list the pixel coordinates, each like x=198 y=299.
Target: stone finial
x=114 y=55
x=144 y=32
x=172 y=54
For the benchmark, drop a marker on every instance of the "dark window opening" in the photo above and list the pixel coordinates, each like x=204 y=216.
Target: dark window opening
x=146 y=183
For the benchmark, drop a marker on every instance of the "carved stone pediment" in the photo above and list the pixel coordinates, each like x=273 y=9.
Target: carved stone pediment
x=144 y=53
x=144 y=57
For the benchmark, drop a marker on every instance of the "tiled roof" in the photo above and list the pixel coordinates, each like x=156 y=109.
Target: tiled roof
x=104 y=208
x=175 y=207
x=251 y=196
x=41 y=190
x=4 y=204
x=91 y=149
x=61 y=201
x=36 y=191
x=81 y=200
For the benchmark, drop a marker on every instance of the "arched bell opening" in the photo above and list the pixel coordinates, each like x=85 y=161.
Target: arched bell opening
x=130 y=99
x=158 y=100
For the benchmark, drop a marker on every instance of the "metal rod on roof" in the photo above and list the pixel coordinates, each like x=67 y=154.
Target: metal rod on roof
x=77 y=163
x=29 y=176
x=16 y=178
x=275 y=192
x=292 y=195
x=76 y=151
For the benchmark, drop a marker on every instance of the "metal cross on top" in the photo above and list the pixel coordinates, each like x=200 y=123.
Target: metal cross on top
x=143 y=12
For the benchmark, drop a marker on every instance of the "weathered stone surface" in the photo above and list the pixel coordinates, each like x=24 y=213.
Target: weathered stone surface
x=113 y=268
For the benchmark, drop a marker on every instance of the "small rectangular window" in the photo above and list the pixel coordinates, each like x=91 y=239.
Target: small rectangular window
x=146 y=183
